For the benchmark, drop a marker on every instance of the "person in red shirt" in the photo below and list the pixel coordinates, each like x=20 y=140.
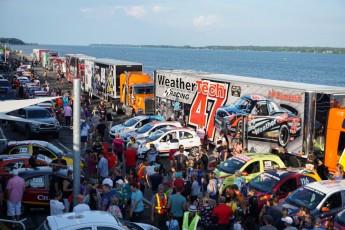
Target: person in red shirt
x=223 y=213
x=118 y=147
x=112 y=161
x=131 y=158
x=178 y=182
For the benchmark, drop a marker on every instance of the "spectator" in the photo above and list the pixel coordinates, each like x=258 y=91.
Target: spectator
x=155 y=180
x=204 y=158
x=191 y=220
x=171 y=223
x=100 y=129
x=95 y=119
x=152 y=153
x=123 y=193
x=279 y=223
x=317 y=224
x=91 y=197
x=311 y=163
x=195 y=189
x=15 y=190
x=159 y=207
x=131 y=158
x=91 y=164
x=112 y=161
x=177 y=204
x=174 y=146
x=212 y=186
x=181 y=159
x=59 y=163
x=339 y=174
x=223 y=214
x=54 y=183
x=205 y=213
x=107 y=197
x=33 y=158
x=68 y=115
x=102 y=167
x=137 y=204
x=240 y=201
x=274 y=210
x=97 y=146
x=239 y=180
x=236 y=147
x=114 y=209
x=308 y=223
x=84 y=133
x=142 y=172
x=118 y=147
x=67 y=189
x=81 y=206
x=109 y=179
x=56 y=206
x=268 y=220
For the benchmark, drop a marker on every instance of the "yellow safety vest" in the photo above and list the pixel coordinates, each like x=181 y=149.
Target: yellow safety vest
x=161 y=205
x=193 y=225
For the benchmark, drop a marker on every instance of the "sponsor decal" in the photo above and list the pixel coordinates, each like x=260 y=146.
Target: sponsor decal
x=265 y=126
x=284 y=96
x=42 y=197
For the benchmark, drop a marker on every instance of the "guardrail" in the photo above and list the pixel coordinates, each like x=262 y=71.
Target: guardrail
x=15 y=222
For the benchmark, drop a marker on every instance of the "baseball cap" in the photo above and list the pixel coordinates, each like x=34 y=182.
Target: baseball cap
x=120 y=182
x=14 y=172
x=108 y=181
x=287 y=219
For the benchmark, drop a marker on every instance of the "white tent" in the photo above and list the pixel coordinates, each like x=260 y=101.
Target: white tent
x=11 y=105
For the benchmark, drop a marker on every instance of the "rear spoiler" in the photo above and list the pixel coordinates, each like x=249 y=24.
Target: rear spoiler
x=289 y=108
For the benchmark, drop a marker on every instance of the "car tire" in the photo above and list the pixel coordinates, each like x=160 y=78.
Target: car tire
x=118 y=108
x=283 y=136
x=193 y=151
x=56 y=135
x=28 y=133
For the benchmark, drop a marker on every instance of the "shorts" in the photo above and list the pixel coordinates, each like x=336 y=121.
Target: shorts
x=13 y=208
x=83 y=139
x=171 y=154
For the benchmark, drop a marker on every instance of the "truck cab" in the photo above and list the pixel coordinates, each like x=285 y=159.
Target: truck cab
x=136 y=94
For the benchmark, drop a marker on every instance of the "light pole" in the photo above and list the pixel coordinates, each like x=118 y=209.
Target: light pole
x=4 y=44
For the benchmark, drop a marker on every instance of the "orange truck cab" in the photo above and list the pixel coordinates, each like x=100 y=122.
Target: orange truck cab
x=335 y=138
x=136 y=93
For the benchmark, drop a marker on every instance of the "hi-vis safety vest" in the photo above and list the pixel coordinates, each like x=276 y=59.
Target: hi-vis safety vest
x=141 y=170
x=161 y=206
x=193 y=225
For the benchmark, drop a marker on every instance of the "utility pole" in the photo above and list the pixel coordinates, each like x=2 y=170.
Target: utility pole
x=76 y=136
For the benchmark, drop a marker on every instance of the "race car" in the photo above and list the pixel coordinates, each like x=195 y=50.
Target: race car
x=266 y=120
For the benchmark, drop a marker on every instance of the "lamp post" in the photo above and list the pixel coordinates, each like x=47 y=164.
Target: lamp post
x=5 y=44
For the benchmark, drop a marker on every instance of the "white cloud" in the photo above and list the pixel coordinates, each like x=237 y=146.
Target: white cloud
x=206 y=21
x=159 y=9
x=135 y=11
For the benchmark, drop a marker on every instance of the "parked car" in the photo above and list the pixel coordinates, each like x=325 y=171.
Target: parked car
x=250 y=164
x=30 y=90
x=6 y=91
x=339 y=221
x=40 y=94
x=41 y=122
x=132 y=124
x=186 y=136
x=324 y=199
x=266 y=120
x=280 y=182
x=91 y=220
x=145 y=131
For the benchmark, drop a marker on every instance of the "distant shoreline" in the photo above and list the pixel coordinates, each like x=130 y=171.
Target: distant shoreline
x=301 y=49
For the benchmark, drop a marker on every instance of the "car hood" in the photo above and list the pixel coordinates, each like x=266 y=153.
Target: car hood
x=146 y=226
x=220 y=174
x=49 y=120
x=117 y=128
x=293 y=210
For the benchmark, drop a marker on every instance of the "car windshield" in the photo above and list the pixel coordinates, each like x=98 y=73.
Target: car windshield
x=231 y=165
x=154 y=136
x=242 y=104
x=143 y=90
x=33 y=89
x=264 y=182
x=145 y=128
x=38 y=113
x=54 y=149
x=4 y=83
x=131 y=122
x=128 y=225
x=306 y=197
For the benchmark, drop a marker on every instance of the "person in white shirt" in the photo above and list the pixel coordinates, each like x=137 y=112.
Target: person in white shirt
x=56 y=206
x=81 y=206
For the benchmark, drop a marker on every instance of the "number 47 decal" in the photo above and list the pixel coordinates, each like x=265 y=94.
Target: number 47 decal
x=210 y=96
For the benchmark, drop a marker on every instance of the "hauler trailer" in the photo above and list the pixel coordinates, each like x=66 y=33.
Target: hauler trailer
x=122 y=83
x=75 y=66
x=267 y=115
x=45 y=57
x=37 y=54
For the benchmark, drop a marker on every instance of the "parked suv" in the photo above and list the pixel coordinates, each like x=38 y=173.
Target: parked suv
x=46 y=123
x=6 y=91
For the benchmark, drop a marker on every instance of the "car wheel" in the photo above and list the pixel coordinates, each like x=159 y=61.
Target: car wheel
x=284 y=135
x=193 y=151
x=113 y=106
x=118 y=108
x=28 y=133
x=56 y=135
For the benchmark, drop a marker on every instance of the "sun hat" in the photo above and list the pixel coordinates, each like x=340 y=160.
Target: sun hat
x=120 y=182
x=192 y=208
x=287 y=219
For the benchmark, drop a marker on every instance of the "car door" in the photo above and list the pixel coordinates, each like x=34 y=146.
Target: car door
x=186 y=139
x=22 y=113
x=332 y=204
x=252 y=169
x=44 y=151
x=288 y=185
x=36 y=191
x=163 y=143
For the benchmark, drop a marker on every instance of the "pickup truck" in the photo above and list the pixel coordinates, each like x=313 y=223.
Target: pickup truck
x=46 y=123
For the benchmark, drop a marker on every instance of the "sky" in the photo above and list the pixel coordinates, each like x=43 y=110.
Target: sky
x=175 y=22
